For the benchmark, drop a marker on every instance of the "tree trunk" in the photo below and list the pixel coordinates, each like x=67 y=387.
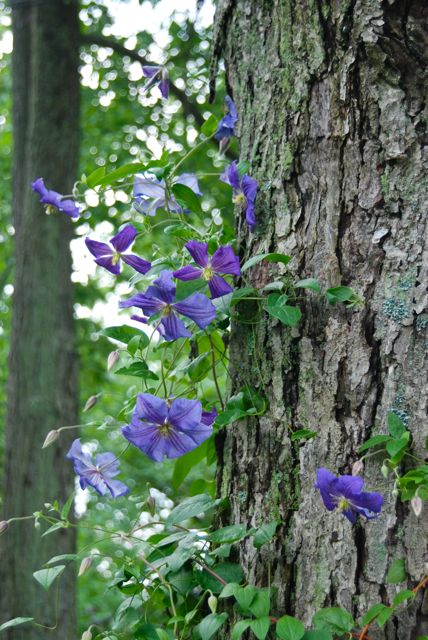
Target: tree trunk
x=42 y=392
x=331 y=99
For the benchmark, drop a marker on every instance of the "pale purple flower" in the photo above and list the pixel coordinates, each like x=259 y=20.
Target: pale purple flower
x=157 y=76
x=110 y=255
x=244 y=192
x=346 y=493
x=223 y=262
x=168 y=428
x=226 y=126
x=98 y=473
x=160 y=298
x=149 y=193
x=54 y=199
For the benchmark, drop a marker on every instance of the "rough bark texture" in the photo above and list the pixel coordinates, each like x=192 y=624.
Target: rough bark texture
x=331 y=98
x=42 y=392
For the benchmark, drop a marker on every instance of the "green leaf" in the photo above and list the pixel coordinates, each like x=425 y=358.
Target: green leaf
x=239 y=629
x=54 y=527
x=211 y=624
x=229 y=416
x=229 y=590
x=309 y=283
x=260 y=627
x=229 y=534
x=335 y=619
x=45 y=577
x=288 y=315
x=396 y=426
x=397 y=571
x=303 y=434
x=139 y=370
x=67 y=506
x=124 y=334
x=260 y=606
x=228 y=571
x=265 y=533
x=374 y=442
x=191 y=507
x=184 y=464
x=245 y=595
x=288 y=628
x=241 y=294
x=372 y=613
x=396 y=448
x=61 y=558
x=402 y=596
x=186 y=197
x=342 y=294
x=199 y=367
x=129 y=169
x=319 y=634
x=270 y=257
x=180 y=556
x=210 y=126
x=94 y=178
x=15 y=622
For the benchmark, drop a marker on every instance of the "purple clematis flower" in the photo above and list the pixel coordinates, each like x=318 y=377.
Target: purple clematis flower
x=244 y=192
x=97 y=474
x=149 y=193
x=226 y=126
x=109 y=256
x=55 y=199
x=168 y=428
x=346 y=493
x=157 y=76
x=223 y=262
x=160 y=298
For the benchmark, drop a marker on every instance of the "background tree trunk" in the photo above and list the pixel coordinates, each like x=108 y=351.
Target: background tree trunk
x=43 y=382
x=331 y=98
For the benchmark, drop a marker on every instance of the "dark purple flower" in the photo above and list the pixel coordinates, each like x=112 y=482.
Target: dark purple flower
x=149 y=193
x=97 y=474
x=223 y=262
x=346 y=493
x=55 y=199
x=160 y=298
x=157 y=76
x=244 y=192
x=109 y=256
x=169 y=428
x=226 y=126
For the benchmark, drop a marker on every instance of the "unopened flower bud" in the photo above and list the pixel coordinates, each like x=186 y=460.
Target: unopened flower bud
x=112 y=359
x=37 y=524
x=212 y=603
x=85 y=565
x=357 y=467
x=151 y=505
x=384 y=470
x=395 y=492
x=87 y=635
x=50 y=438
x=4 y=526
x=90 y=402
x=416 y=503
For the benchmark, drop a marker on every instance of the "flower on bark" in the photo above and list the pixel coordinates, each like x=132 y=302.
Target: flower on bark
x=150 y=193
x=168 y=428
x=110 y=255
x=157 y=77
x=53 y=199
x=97 y=474
x=160 y=298
x=244 y=192
x=222 y=262
x=226 y=126
x=346 y=493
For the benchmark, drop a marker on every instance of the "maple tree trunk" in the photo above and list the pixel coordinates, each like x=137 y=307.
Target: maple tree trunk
x=332 y=118
x=42 y=392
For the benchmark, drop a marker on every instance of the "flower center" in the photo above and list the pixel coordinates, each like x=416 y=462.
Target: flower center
x=116 y=257
x=167 y=310
x=50 y=209
x=343 y=504
x=239 y=198
x=164 y=429
x=207 y=273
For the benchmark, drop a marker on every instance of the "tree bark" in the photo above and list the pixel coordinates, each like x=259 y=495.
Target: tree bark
x=42 y=392
x=332 y=104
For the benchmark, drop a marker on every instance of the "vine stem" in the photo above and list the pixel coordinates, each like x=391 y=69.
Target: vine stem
x=220 y=397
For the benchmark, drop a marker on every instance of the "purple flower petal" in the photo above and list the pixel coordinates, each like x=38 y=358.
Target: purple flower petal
x=226 y=127
x=139 y=319
x=55 y=199
x=351 y=515
x=219 y=287
x=123 y=240
x=97 y=475
x=347 y=486
x=108 y=463
x=150 y=408
x=117 y=488
x=249 y=188
x=173 y=328
x=198 y=251
x=187 y=273
x=368 y=504
x=146 y=437
x=198 y=308
x=149 y=305
x=185 y=414
x=164 y=87
x=139 y=264
x=98 y=249
x=208 y=417
x=233 y=176
x=107 y=263
x=149 y=72
x=224 y=261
